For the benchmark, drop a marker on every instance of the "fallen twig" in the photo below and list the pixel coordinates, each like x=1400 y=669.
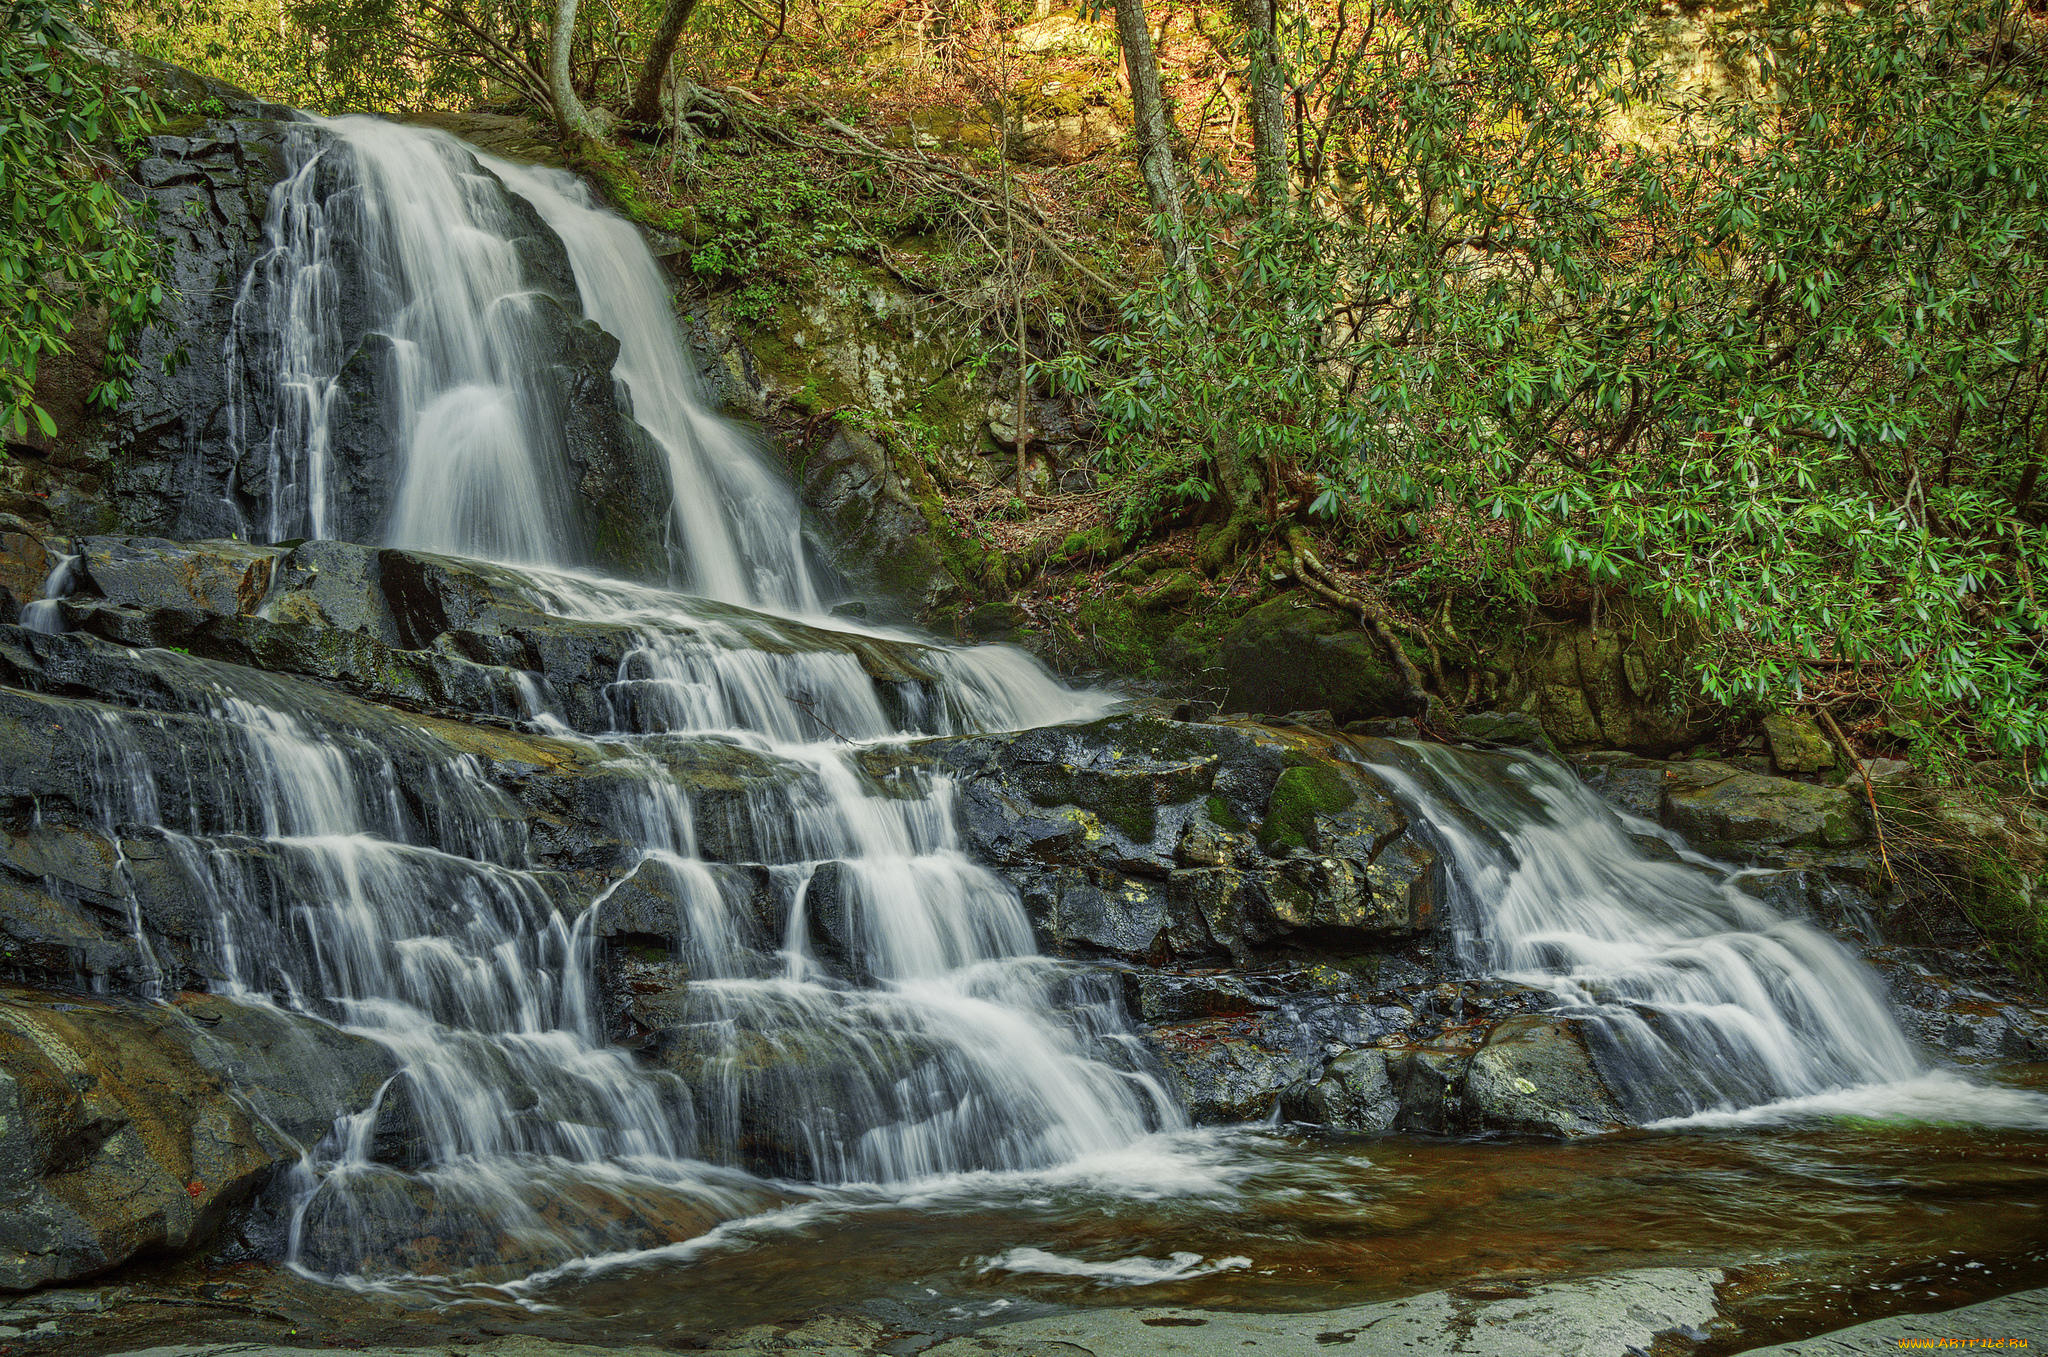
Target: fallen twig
x=1856 y=762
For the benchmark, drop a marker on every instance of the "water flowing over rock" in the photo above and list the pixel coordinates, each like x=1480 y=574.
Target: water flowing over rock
x=483 y=913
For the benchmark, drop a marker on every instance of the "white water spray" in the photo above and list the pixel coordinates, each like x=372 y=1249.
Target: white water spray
x=1700 y=1001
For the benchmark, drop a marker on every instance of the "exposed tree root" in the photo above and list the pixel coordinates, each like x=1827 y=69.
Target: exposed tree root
x=1856 y=762
x=1302 y=560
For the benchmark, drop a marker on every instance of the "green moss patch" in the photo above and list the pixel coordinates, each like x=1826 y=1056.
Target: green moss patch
x=1299 y=795
x=1223 y=816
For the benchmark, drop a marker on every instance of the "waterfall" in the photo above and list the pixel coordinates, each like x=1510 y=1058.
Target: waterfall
x=1701 y=1003
x=394 y=890
x=850 y=999
x=735 y=522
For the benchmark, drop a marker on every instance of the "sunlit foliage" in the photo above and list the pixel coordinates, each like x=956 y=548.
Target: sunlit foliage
x=70 y=244
x=1768 y=359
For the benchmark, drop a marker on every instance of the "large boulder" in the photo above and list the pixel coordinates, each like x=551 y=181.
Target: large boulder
x=1604 y=688
x=1292 y=654
x=1715 y=803
x=1535 y=1076
x=1797 y=744
x=1151 y=840
x=129 y=1127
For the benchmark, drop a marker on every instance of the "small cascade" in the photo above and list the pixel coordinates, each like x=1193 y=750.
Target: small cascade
x=45 y=615
x=1700 y=1002
x=286 y=348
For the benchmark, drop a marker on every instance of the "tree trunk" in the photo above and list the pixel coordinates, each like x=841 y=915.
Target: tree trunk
x=645 y=110
x=573 y=118
x=1268 y=77
x=1155 y=144
x=1023 y=401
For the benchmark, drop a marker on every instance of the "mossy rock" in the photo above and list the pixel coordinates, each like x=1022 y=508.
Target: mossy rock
x=1713 y=803
x=1299 y=796
x=1293 y=655
x=1143 y=631
x=1797 y=744
x=2009 y=906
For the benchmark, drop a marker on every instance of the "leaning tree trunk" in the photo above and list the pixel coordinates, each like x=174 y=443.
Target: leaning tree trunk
x=645 y=110
x=574 y=119
x=1155 y=144
x=1268 y=78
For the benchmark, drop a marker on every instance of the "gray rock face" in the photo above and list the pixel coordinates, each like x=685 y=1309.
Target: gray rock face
x=1151 y=840
x=1613 y=1316
x=876 y=536
x=168 y=460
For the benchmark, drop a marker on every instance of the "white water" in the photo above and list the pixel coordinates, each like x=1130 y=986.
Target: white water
x=863 y=1008
x=737 y=525
x=1702 y=1004
x=1123 y=1272
x=46 y=614
x=396 y=891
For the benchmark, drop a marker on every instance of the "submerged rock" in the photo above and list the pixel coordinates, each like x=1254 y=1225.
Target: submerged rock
x=1617 y=1315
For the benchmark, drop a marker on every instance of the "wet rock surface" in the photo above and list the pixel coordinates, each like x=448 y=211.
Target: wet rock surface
x=1623 y=1313
x=1150 y=840
x=162 y=461
x=1255 y=894
x=128 y=1127
x=2008 y=1321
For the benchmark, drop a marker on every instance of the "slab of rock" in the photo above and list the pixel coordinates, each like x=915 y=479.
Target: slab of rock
x=1614 y=1316
x=1714 y=803
x=2022 y=1316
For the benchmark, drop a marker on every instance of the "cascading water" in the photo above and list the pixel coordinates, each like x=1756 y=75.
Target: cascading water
x=856 y=1001
x=933 y=1040
x=434 y=246
x=735 y=523
x=1700 y=1002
